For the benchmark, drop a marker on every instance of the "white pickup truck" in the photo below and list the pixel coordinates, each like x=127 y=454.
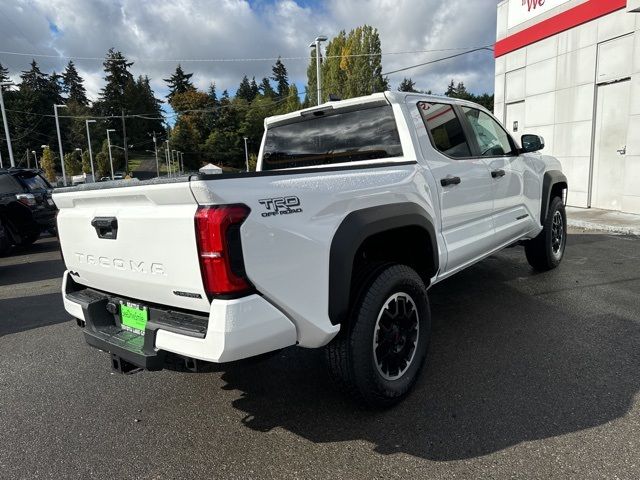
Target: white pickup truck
x=357 y=208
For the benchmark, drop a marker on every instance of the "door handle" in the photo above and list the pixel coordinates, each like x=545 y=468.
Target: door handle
x=498 y=173
x=623 y=150
x=450 y=181
x=106 y=227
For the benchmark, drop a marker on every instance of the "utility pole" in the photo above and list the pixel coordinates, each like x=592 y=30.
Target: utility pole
x=55 y=112
x=168 y=159
x=155 y=148
x=246 y=154
x=6 y=124
x=126 y=147
x=316 y=45
x=93 y=173
x=110 y=157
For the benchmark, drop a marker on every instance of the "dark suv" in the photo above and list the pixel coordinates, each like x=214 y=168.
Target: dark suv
x=26 y=208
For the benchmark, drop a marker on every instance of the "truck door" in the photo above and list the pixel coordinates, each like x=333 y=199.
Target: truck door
x=515 y=190
x=463 y=183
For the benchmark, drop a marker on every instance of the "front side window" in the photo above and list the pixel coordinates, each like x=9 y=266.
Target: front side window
x=493 y=141
x=352 y=136
x=445 y=128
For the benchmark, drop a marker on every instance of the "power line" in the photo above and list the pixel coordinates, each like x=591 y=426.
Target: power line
x=437 y=60
x=226 y=60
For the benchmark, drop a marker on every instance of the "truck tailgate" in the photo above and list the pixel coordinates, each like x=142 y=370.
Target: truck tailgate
x=138 y=241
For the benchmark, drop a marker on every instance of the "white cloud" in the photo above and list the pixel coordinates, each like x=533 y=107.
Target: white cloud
x=197 y=29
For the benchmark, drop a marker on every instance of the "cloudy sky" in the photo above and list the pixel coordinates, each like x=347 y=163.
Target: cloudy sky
x=157 y=33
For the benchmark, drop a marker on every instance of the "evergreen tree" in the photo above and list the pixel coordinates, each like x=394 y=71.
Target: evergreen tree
x=33 y=79
x=407 y=85
x=73 y=85
x=245 y=91
x=179 y=82
x=4 y=74
x=117 y=78
x=212 y=93
x=281 y=78
x=255 y=90
x=266 y=88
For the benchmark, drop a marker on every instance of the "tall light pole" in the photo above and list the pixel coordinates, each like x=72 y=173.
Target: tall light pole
x=6 y=124
x=316 y=45
x=173 y=159
x=246 y=154
x=93 y=173
x=155 y=149
x=55 y=112
x=110 y=157
x=35 y=158
x=168 y=159
x=182 y=161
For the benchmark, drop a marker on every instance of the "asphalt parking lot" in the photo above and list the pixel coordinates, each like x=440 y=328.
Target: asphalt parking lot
x=529 y=376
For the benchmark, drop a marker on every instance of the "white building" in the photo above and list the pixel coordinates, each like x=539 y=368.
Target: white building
x=569 y=70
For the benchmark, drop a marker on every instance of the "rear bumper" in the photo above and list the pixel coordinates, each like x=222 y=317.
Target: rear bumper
x=233 y=329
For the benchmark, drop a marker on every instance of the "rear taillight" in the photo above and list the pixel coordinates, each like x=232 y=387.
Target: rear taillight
x=27 y=199
x=219 y=249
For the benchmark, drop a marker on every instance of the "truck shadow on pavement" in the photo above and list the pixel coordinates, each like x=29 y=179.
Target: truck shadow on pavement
x=511 y=360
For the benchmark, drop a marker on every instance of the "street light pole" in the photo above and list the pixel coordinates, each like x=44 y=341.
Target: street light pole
x=93 y=173
x=35 y=158
x=110 y=157
x=55 y=112
x=246 y=154
x=168 y=159
x=182 y=161
x=6 y=124
x=316 y=45
x=173 y=159
x=155 y=148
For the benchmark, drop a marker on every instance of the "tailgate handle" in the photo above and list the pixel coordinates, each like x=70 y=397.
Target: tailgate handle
x=106 y=227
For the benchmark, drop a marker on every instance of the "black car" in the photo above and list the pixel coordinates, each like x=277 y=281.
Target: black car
x=26 y=207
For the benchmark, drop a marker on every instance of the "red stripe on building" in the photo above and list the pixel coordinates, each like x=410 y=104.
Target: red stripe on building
x=583 y=13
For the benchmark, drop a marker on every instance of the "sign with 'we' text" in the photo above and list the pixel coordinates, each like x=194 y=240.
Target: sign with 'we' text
x=521 y=11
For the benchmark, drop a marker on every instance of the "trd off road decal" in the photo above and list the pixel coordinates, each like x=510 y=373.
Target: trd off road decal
x=280 y=206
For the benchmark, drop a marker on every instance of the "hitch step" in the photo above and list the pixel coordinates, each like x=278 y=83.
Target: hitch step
x=120 y=365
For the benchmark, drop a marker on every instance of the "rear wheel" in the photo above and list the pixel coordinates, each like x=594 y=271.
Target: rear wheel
x=545 y=252
x=379 y=354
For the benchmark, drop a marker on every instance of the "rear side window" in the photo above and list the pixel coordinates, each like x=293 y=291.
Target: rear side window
x=445 y=128
x=35 y=182
x=9 y=185
x=335 y=138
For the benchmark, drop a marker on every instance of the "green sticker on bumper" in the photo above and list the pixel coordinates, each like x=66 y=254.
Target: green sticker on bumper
x=134 y=318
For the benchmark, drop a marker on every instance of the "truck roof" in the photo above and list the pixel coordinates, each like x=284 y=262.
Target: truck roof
x=381 y=98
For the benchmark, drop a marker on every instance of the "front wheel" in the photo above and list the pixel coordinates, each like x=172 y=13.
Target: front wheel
x=5 y=240
x=379 y=355
x=545 y=252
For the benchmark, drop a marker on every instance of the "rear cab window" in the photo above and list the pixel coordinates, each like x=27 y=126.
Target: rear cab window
x=335 y=137
x=34 y=182
x=445 y=129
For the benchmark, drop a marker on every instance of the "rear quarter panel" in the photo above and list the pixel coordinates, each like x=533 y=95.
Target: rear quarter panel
x=287 y=255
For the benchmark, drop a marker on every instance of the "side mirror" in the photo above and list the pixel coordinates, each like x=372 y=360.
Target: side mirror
x=532 y=143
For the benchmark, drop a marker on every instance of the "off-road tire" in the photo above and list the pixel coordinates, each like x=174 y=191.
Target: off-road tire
x=545 y=252
x=351 y=356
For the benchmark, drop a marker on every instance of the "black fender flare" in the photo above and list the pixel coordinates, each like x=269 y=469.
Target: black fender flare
x=354 y=229
x=551 y=178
